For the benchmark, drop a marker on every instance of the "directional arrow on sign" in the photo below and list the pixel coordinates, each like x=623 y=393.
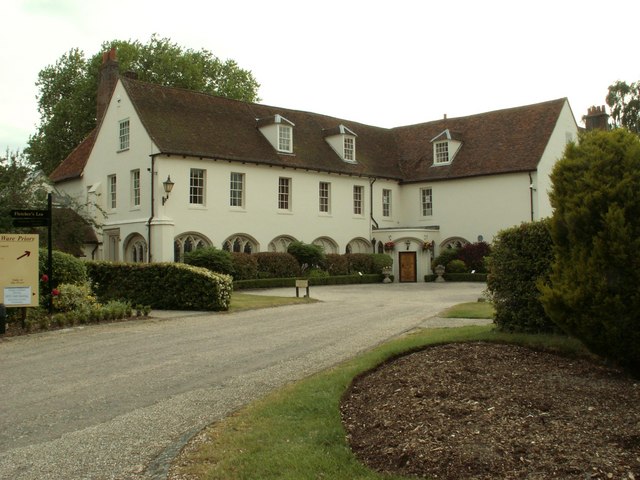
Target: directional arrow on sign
x=25 y=254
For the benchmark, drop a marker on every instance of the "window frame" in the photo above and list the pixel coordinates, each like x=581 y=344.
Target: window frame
x=285 y=138
x=135 y=188
x=124 y=134
x=441 y=153
x=386 y=203
x=358 y=197
x=349 y=148
x=197 y=186
x=426 y=205
x=285 y=185
x=112 y=186
x=236 y=190
x=324 y=197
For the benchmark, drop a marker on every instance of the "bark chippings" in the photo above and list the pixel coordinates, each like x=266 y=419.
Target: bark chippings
x=487 y=411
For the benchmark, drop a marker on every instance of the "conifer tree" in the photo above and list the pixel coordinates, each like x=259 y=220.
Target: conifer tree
x=594 y=289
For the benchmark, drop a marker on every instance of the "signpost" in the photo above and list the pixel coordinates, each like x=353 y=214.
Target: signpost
x=31 y=218
x=19 y=285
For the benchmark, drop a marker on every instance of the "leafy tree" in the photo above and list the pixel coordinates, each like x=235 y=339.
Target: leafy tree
x=593 y=292
x=624 y=101
x=20 y=188
x=307 y=254
x=67 y=89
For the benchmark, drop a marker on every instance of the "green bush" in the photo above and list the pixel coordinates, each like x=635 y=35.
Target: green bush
x=72 y=297
x=445 y=257
x=521 y=257
x=456 y=266
x=245 y=266
x=66 y=268
x=307 y=254
x=593 y=289
x=210 y=258
x=170 y=286
x=277 y=265
x=379 y=261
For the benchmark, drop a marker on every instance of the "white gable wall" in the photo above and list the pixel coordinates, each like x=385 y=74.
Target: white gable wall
x=566 y=130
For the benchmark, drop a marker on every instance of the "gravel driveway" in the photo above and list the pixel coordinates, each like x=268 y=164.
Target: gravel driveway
x=118 y=401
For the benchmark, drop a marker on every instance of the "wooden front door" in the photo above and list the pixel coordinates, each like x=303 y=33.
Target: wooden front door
x=407 y=266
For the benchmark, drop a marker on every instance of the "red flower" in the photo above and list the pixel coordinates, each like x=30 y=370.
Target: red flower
x=55 y=292
x=44 y=277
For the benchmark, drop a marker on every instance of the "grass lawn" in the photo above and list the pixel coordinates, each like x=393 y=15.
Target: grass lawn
x=296 y=432
x=246 y=301
x=469 y=310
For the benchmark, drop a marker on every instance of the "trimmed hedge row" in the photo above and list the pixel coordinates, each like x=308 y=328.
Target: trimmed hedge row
x=315 y=281
x=170 y=286
x=459 y=277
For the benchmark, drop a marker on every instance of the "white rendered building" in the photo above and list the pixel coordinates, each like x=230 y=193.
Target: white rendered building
x=250 y=177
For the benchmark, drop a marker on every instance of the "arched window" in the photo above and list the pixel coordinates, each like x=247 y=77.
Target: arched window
x=136 y=250
x=281 y=243
x=359 y=245
x=240 y=243
x=454 y=242
x=188 y=243
x=327 y=244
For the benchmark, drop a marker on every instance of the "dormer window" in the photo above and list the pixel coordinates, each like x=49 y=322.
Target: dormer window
x=343 y=142
x=445 y=147
x=278 y=131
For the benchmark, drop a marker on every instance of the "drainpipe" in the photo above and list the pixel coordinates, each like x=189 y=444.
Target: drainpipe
x=373 y=220
x=531 y=194
x=153 y=201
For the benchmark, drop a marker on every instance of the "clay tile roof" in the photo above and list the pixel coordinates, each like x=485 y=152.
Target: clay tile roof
x=502 y=141
x=187 y=123
x=183 y=122
x=73 y=166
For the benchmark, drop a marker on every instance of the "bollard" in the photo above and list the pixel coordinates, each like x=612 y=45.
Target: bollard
x=3 y=319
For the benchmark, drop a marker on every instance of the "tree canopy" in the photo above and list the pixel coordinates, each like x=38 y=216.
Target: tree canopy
x=67 y=89
x=624 y=101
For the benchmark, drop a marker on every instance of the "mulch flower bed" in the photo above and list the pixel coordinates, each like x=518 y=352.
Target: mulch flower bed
x=493 y=411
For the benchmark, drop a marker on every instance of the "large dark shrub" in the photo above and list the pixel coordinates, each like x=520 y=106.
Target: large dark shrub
x=210 y=258
x=336 y=264
x=456 y=266
x=593 y=291
x=360 y=262
x=521 y=257
x=245 y=266
x=277 y=265
x=473 y=255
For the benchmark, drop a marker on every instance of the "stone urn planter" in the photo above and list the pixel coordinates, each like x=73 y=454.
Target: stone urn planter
x=387 y=271
x=439 y=270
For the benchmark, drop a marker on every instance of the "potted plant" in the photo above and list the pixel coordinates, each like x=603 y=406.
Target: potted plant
x=388 y=246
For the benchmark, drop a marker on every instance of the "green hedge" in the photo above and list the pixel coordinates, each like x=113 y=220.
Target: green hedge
x=458 y=277
x=521 y=258
x=315 y=281
x=169 y=286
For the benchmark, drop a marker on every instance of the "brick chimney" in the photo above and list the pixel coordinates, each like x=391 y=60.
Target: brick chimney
x=108 y=77
x=596 y=118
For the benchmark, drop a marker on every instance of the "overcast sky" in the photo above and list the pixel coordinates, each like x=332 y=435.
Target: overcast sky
x=384 y=63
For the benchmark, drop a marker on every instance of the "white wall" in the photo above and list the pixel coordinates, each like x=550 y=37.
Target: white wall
x=260 y=218
x=566 y=129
